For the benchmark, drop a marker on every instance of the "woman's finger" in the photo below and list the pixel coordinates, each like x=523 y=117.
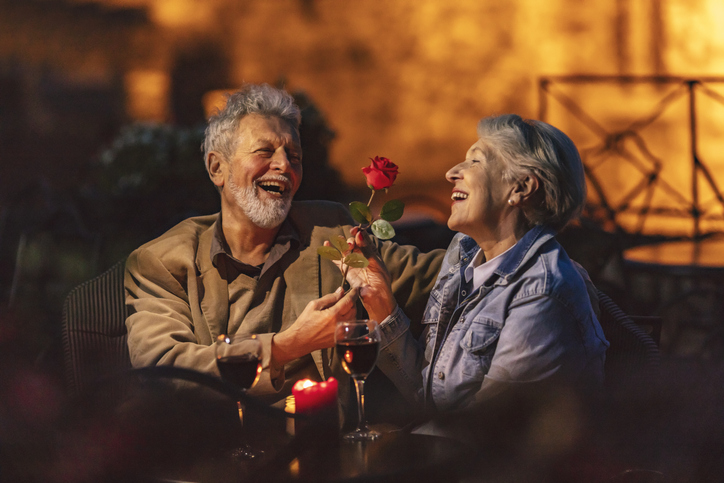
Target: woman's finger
x=359 y=239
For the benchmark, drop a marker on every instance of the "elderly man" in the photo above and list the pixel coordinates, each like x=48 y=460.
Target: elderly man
x=253 y=268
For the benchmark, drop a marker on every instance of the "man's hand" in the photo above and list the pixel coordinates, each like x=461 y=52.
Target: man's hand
x=374 y=282
x=314 y=328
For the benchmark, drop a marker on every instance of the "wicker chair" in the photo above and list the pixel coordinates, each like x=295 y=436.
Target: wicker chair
x=94 y=329
x=633 y=353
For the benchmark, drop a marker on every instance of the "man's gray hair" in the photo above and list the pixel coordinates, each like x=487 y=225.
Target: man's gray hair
x=250 y=99
x=534 y=147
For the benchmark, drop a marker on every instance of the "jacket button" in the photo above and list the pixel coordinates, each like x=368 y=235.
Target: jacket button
x=441 y=375
x=464 y=293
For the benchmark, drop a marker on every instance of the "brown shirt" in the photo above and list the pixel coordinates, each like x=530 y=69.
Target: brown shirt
x=257 y=293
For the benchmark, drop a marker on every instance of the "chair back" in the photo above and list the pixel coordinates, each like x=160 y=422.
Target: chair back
x=94 y=329
x=633 y=354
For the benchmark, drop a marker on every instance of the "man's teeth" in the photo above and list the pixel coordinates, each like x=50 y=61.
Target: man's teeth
x=273 y=186
x=459 y=196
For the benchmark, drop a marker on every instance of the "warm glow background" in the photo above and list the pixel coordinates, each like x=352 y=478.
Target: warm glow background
x=409 y=79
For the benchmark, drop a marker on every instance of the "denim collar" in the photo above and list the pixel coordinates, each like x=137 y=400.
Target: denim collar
x=523 y=251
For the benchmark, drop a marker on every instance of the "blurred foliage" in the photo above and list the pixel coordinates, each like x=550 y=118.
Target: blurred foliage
x=150 y=177
x=146 y=155
x=321 y=181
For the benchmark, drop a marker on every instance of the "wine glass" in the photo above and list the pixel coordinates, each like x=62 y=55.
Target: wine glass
x=357 y=345
x=238 y=358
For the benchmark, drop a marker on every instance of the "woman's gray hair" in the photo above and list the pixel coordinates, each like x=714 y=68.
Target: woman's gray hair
x=250 y=99
x=534 y=147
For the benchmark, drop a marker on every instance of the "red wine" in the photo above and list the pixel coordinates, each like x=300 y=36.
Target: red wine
x=241 y=370
x=358 y=358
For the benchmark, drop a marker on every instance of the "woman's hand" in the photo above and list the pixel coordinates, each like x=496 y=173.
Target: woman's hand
x=374 y=282
x=314 y=328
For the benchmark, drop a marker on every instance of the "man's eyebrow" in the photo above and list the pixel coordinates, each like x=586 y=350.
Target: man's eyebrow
x=261 y=141
x=265 y=141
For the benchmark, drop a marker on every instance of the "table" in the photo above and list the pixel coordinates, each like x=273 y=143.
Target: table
x=178 y=425
x=682 y=282
x=685 y=258
x=396 y=456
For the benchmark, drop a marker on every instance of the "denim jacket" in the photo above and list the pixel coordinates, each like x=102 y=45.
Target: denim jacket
x=530 y=321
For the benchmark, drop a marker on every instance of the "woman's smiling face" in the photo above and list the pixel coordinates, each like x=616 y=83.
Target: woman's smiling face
x=480 y=195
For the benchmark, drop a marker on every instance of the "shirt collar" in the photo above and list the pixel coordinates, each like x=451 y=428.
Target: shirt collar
x=479 y=269
x=287 y=235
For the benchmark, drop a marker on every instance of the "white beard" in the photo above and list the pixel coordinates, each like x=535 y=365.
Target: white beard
x=264 y=214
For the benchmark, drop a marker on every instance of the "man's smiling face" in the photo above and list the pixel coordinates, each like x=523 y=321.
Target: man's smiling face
x=265 y=170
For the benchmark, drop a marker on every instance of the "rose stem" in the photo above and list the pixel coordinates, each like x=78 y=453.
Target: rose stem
x=346 y=267
x=370 y=201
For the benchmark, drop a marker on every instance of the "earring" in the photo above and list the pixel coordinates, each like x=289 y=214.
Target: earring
x=511 y=202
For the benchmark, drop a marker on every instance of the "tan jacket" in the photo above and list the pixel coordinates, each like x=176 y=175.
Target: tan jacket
x=178 y=303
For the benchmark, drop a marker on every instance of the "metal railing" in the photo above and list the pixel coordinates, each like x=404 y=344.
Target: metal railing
x=684 y=202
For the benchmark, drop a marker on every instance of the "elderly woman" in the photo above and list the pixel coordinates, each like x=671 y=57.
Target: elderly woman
x=509 y=306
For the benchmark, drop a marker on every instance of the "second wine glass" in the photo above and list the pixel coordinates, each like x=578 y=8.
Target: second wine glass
x=238 y=358
x=357 y=345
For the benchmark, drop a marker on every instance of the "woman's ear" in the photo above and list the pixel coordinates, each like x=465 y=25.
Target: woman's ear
x=525 y=189
x=217 y=167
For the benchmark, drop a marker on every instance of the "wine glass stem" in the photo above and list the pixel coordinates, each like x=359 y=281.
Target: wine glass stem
x=360 y=386
x=241 y=413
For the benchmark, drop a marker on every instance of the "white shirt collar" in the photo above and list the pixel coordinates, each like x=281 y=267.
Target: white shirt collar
x=479 y=270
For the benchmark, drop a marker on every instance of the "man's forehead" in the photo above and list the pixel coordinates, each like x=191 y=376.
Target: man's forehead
x=261 y=128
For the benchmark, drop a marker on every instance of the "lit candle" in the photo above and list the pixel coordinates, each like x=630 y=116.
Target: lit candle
x=311 y=397
x=318 y=400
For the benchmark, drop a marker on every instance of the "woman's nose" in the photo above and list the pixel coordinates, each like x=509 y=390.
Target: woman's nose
x=453 y=173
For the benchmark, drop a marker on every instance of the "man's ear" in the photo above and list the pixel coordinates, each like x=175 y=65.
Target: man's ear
x=526 y=189
x=217 y=167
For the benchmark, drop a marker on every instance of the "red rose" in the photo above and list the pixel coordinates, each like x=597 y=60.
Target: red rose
x=380 y=174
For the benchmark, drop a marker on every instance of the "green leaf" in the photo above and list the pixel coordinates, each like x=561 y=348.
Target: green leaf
x=340 y=243
x=383 y=230
x=330 y=253
x=360 y=212
x=356 y=260
x=392 y=210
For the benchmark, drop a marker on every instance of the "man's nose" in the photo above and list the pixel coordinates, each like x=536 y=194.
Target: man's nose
x=280 y=161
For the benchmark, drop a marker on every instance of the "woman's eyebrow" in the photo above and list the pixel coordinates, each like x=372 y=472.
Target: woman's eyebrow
x=477 y=151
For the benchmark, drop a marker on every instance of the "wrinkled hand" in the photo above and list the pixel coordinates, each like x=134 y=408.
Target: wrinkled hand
x=374 y=281
x=314 y=328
